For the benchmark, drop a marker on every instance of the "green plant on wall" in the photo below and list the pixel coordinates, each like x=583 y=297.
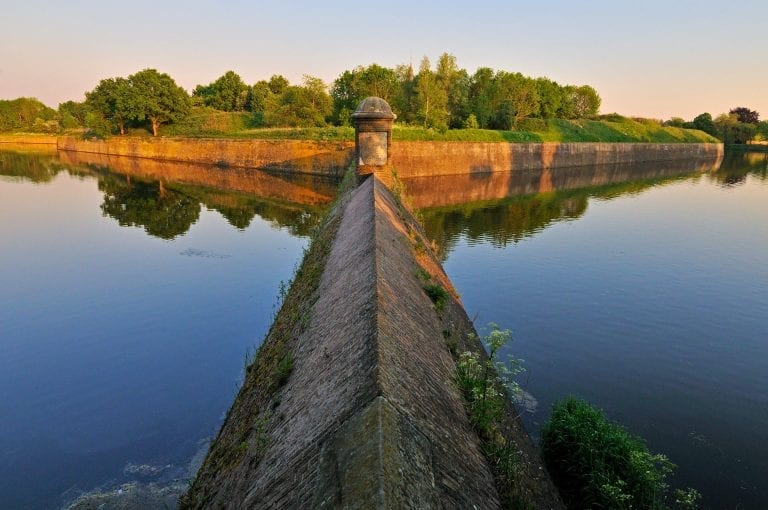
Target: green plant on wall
x=485 y=381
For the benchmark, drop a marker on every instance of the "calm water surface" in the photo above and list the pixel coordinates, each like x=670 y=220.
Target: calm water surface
x=649 y=299
x=127 y=305
x=130 y=292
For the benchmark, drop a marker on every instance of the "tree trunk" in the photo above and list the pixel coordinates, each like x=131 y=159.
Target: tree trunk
x=155 y=126
x=122 y=127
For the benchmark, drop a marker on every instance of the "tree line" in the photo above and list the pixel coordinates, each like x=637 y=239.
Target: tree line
x=443 y=96
x=739 y=125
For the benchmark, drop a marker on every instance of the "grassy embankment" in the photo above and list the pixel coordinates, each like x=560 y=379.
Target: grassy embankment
x=608 y=128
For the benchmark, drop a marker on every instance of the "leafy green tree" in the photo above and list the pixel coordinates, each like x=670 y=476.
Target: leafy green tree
x=431 y=97
x=471 y=122
x=278 y=83
x=515 y=98
x=351 y=87
x=260 y=100
x=304 y=106
x=745 y=115
x=762 y=131
x=550 y=98
x=585 y=102
x=72 y=114
x=157 y=98
x=345 y=96
x=22 y=112
x=675 y=122
x=481 y=91
x=731 y=131
x=455 y=85
x=705 y=123
x=228 y=93
x=115 y=100
x=405 y=101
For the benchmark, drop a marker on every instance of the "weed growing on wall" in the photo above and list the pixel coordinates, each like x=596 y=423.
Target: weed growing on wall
x=484 y=382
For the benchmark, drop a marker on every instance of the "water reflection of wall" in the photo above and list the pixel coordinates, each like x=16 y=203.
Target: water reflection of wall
x=426 y=192
x=297 y=189
x=503 y=208
x=165 y=198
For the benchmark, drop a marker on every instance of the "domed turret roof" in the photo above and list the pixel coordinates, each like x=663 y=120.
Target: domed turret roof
x=373 y=108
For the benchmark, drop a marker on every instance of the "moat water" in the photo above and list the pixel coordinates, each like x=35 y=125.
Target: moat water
x=131 y=292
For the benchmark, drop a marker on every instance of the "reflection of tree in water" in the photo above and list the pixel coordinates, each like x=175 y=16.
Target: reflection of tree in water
x=737 y=165
x=515 y=218
x=239 y=211
x=38 y=168
x=162 y=212
x=500 y=222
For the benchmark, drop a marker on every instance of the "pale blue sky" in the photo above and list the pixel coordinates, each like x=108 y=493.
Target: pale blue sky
x=650 y=58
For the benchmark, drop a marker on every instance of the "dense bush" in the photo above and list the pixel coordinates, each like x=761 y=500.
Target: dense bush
x=596 y=463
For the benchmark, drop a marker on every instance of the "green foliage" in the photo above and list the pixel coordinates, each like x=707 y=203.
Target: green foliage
x=283 y=370
x=228 y=93
x=485 y=381
x=162 y=212
x=145 y=95
x=351 y=87
x=437 y=294
x=705 y=123
x=675 y=122
x=24 y=114
x=72 y=114
x=471 y=122
x=598 y=464
x=732 y=131
x=431 y=98
x=156 y=97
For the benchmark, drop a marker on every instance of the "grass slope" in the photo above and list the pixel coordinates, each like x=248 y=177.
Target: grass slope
x=612 y=128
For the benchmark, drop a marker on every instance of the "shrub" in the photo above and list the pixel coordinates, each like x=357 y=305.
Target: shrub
x=437 y=294
x=598 y=464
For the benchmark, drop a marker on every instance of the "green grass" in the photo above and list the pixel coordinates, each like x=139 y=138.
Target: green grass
x=560 y=130
x=208 y=123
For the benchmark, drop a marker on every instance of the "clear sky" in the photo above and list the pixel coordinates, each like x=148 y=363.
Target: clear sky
x=645 y=57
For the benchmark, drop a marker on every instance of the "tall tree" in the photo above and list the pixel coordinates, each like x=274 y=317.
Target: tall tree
x=405 y=100
x=115 y=100
x=585 y=102
x=515 y=98
x=550 y=97
x=481 y=91
x=305 y=106
x=705 y=123
x=228 y=93
x=157 y=98
x=745 y=115
x=432 y=100
x=454 y=83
